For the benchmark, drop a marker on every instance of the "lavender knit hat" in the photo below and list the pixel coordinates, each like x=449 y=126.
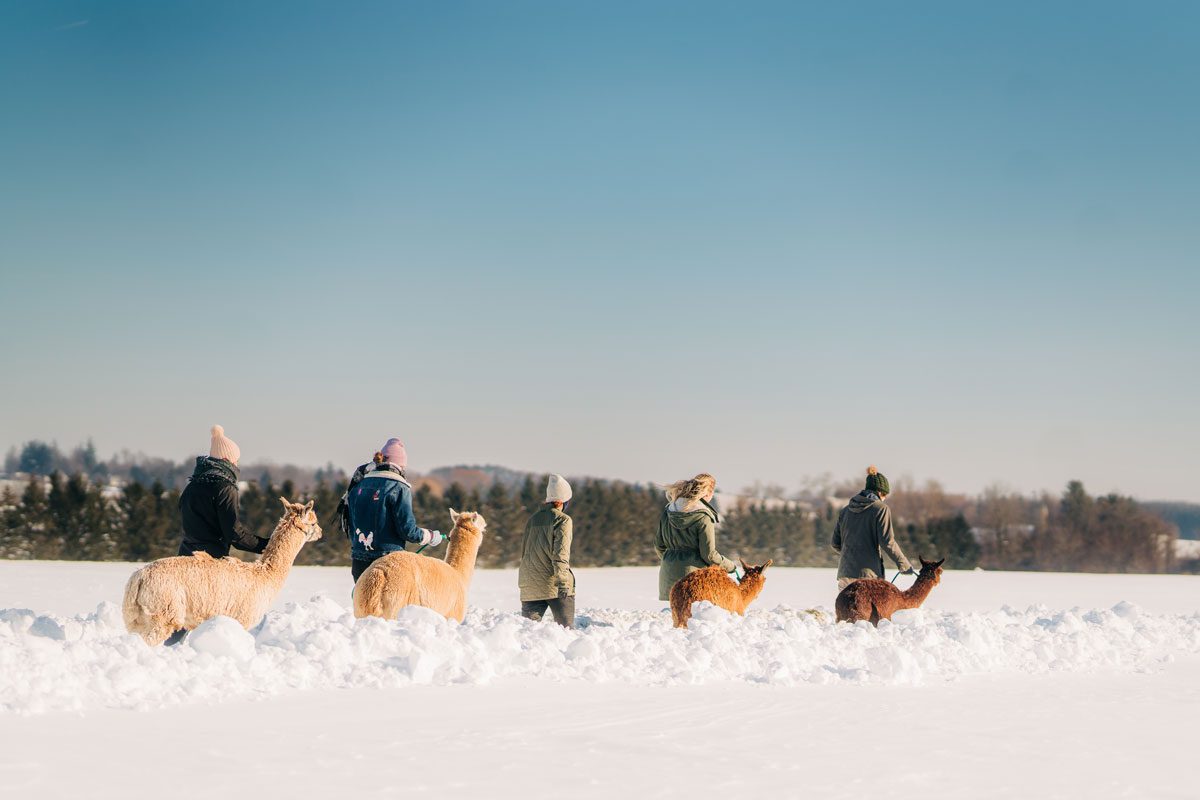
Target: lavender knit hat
x=393 y=452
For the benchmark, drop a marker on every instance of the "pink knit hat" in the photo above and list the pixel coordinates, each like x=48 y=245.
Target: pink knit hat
x=393 y=452
x=223 y=447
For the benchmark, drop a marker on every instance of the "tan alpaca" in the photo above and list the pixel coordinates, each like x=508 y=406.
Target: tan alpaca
x=408 y=579
x=179 y=593
x=714 y=585
x=872 y=599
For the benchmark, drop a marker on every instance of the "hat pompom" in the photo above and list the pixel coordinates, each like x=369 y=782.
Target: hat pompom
x=877 y=482
x=217 y=430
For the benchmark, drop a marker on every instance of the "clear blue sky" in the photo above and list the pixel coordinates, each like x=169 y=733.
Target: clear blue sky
x=635 y=240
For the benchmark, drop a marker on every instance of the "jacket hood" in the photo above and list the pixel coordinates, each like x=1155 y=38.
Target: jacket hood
x=685 y=519
x=214 y=470
x=385 y=467
x=862 y=501
x=388 y=472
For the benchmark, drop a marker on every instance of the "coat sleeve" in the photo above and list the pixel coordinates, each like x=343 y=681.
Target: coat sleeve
x=708 y=548
x=836 y=542
x=562 y=555
x=233 y=532
x=660 y=543
x=887 y=538
x=406 y=522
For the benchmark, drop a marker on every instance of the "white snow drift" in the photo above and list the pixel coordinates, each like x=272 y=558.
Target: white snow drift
x=50 y=663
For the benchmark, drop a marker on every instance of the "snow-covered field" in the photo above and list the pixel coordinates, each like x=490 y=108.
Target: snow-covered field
x=1005 y=684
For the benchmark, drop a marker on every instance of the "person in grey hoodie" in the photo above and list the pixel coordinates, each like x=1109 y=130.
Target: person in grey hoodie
x=864 y=532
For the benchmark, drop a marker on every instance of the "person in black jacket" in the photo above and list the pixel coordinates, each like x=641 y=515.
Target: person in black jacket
x=209 y=504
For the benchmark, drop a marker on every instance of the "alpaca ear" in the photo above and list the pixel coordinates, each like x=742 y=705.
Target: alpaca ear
x=770 y=561
x=309 y=507
x=745 y=566
x=454 y=515
x=939 y=563
x=286 y=505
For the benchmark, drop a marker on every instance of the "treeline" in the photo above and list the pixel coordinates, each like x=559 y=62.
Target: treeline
x=1075 y=533
x=75 y=519
x=46 y=458
x=79 y=519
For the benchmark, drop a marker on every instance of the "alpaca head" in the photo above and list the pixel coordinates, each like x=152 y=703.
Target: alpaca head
x=469 y=519
x=931 y=570
x=753 y=576
x=303 y=516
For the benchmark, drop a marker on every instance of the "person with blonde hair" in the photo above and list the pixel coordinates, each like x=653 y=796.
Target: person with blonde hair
x=687 y=537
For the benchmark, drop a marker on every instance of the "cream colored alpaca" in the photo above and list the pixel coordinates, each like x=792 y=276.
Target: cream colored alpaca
x=407 y=579
x=179 y=593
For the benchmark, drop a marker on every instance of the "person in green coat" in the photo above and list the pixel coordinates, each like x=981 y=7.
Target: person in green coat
x=687 y=537
x=545 y=578
x=864 y=532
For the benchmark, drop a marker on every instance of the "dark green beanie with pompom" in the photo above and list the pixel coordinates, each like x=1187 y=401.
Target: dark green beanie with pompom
x=877 y=482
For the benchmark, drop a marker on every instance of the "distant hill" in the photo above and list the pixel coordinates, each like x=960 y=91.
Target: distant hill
x=478 y=477
x=1185 y=516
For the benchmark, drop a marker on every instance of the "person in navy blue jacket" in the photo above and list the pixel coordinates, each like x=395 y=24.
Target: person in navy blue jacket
x=379 y=508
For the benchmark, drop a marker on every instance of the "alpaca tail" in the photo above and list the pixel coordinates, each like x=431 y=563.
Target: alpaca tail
x=368 y=594
x=843 y=607
x=142 y=616
x=131 y=609
x=681 y=609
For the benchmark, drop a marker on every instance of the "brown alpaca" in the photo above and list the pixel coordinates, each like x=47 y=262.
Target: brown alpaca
x=407 y=579
x=180 y=592
x=714 y=585
x=873 y=599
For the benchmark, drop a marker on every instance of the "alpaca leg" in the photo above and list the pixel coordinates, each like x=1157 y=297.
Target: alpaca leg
x=396 y=597
x=157 y=630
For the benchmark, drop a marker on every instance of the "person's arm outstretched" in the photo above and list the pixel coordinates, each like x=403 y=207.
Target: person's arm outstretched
x=708 y=548
x=887 y=538
x=233 y=532
x=406 y=521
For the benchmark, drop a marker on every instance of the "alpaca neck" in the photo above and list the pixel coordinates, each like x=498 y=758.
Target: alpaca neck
x=749 y=590
x=282 y=549
x=461 y=552
x=917 y=593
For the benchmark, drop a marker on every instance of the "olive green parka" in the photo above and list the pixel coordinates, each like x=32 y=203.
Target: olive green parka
x=686 y=542
x=546 y=556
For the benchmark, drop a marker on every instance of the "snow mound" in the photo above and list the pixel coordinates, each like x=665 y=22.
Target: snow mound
x=222 y=637
x=50 y=663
